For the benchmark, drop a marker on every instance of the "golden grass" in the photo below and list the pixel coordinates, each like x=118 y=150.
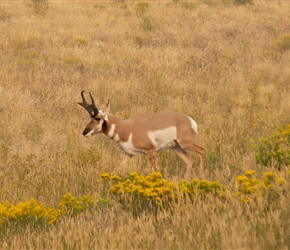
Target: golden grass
x=215 y=62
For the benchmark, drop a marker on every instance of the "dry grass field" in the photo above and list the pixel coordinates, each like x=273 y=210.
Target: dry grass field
x=225 y=65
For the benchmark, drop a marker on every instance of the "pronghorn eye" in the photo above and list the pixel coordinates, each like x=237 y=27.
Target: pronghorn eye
x=97 y=118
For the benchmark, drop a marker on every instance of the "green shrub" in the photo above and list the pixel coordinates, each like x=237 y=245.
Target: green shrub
x=240 y=2
x=249 y=187
x=139 y=193
x=148 y=23
x=278 y=47
x=40 y=6
x=30 y=212
x=34 y=131
x=102 y=66
x=37 y=214
x=87 y=157
x=189 y=5
x=283 y=44
x=274 y=150
x=73 y=206
x=27 y=59
x=4 y=16
x=73 y=63
x=139 y=41
x=141 y=8
x=149 y=193
x=81 y=43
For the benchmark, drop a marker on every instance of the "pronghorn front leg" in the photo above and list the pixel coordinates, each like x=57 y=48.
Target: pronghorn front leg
x=152 y=154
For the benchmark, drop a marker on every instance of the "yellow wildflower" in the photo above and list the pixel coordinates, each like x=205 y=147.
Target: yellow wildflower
x=105 y=176
x=250 y=173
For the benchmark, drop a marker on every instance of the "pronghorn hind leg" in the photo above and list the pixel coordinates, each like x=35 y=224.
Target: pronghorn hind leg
x=201 y=151
x=185 y=157
x=196 y=148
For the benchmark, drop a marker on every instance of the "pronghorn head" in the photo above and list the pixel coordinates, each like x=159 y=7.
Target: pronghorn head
x=98 y=117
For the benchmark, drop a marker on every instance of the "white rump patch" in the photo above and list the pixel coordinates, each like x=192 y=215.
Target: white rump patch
x=193 y=124
x=163 y=139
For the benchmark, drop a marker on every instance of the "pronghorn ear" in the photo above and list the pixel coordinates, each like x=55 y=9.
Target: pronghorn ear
x=108 y=105
x=106 y=111
x=101 y=102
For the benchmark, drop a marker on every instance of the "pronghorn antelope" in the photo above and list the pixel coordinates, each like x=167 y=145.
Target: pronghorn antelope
x=146 y=134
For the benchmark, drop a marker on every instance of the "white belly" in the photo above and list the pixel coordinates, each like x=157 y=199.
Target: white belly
x=129 y=148
x=163 y=139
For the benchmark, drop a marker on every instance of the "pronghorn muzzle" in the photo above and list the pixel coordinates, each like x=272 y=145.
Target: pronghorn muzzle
x=86 y=131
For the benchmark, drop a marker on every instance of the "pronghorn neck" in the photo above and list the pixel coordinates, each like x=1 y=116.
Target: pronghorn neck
x=111 y=127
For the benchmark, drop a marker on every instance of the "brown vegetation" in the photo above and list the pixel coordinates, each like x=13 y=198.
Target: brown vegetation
x=227 y=66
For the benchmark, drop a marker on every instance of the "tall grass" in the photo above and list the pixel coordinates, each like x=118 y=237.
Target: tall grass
x=222 y=64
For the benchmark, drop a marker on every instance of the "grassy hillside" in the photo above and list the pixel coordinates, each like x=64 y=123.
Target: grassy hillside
x=225 y=65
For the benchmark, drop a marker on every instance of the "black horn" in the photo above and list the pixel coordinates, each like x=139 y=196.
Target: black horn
x=93 y=105
x=92 y=109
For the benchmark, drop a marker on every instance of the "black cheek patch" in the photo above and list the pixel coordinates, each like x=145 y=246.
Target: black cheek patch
x=104 y=125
